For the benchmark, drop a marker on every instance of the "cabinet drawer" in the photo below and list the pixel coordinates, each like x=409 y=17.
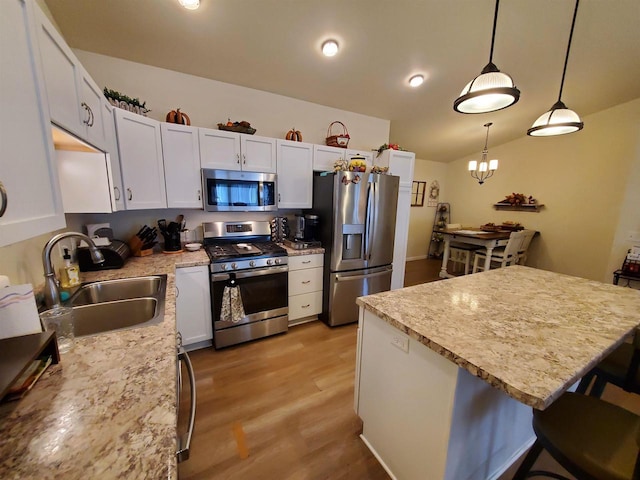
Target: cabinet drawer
x=299 y=262
x=305 y=281
x=305 y=305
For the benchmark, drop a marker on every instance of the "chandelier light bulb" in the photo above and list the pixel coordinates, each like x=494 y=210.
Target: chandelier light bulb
x=330 y=48
x=190 y=4
x=416 y=80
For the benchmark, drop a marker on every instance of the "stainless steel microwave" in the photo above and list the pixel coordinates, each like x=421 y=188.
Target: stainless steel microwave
x=234 y=191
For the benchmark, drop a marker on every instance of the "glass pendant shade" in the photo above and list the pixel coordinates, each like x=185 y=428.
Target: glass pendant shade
x=557 y=121
x=490 y=91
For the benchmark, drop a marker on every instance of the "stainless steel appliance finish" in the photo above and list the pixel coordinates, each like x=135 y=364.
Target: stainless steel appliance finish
x=243 y=256
x=235 y=191
x=358 y=228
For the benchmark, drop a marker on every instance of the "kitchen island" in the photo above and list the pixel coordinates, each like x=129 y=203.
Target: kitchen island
x=108 y=409
x=447 y=371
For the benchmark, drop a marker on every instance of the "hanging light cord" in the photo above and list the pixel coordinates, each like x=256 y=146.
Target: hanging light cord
x=566 y=58
x=486 y=140
x=493 y=33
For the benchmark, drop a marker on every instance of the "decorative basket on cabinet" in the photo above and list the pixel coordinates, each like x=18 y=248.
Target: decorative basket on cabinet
x=340 y=140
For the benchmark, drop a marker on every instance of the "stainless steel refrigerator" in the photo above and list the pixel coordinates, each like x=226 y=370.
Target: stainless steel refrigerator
x=357 y=226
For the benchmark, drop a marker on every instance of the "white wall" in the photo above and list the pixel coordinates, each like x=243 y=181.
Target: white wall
x=421 y=219
x=208 y=102
x=589 y=182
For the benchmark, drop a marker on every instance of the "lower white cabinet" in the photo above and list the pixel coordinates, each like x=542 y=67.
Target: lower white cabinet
x=193 y=306
x=305 y=288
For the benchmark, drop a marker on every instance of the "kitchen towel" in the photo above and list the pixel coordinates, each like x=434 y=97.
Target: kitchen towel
x=18 y=312
x=232 y=308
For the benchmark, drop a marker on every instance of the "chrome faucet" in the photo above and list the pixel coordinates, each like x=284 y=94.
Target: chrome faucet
x=51 y=291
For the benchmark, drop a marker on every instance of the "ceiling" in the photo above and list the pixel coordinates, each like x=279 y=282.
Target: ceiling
x=274 y=45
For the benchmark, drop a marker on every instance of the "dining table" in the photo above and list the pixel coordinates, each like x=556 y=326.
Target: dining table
x=472 y=236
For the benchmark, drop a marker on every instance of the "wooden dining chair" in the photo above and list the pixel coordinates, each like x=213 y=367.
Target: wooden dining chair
x=591 y=439
x=502 y=257
x=460 y=253
x=526 y=241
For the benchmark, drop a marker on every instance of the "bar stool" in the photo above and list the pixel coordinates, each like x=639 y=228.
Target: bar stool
x=591 y=439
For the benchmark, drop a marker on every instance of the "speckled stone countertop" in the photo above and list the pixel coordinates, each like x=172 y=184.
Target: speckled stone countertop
x=293 y=252
x=528 y=332
x=108 y=410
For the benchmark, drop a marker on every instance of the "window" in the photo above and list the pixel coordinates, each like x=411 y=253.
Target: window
x=417 y=193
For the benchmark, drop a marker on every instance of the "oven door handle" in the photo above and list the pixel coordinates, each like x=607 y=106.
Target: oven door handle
x=251 y=273
x=184 y=443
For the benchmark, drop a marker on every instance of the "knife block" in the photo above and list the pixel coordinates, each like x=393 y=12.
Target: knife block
x=135 y=244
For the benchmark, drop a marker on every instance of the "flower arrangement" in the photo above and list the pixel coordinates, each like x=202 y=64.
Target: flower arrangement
x=518 y=199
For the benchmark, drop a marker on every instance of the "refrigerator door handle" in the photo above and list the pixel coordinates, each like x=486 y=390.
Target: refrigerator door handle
x=359 y=277
x=370 y=219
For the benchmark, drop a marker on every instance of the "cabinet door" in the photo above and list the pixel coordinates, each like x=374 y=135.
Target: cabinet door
x=324 y=157
x=84 y=181
x=91 y=98
x=59 y=67
x=30 y=203
x=181 y=165
x=295 y=174
x=219 y=149
x=140 y=150
x=117 y=191
x=193 y=304
x=258 y=154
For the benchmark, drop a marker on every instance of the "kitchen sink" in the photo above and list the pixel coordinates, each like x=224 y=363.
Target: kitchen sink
x=109 y=305
x=122 y=289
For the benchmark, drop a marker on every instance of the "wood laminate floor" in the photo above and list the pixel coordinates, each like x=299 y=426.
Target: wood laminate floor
x=281 y=408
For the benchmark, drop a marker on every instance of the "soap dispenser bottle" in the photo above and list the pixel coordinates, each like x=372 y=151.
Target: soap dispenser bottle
x=69 y=273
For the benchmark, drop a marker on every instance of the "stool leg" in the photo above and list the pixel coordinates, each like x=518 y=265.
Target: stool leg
x=528 y=461
x=467 y=261
x=584 y=383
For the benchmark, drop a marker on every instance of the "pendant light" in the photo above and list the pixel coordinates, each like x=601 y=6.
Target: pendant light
x=559 y=120
x=485 y=169
x=491 y=90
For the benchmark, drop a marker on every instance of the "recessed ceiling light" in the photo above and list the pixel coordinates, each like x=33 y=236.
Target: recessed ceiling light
x=190 y=4
x=330 y=48
x=416 y=80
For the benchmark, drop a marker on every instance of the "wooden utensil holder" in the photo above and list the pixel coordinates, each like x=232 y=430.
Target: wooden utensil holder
x=135 y=244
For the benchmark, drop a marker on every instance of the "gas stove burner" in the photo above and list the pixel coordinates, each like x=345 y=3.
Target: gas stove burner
x=246 y=249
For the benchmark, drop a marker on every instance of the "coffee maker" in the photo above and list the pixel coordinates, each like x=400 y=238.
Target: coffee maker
x=305 y=232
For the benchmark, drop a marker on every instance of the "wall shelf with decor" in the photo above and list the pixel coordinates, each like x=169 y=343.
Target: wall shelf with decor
x=535 y=207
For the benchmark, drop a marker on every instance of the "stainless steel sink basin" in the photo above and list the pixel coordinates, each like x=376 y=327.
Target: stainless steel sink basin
x=122 y=289
x=109 y=316
x=118 y=304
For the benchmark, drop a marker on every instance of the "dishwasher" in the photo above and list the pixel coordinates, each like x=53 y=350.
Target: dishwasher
x=186 y=411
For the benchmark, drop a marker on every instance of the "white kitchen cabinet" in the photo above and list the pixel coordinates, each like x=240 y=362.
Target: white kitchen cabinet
x=74 y=98
x=225 y=150
x=305 y=288
x=295 y=174
x=193 y=306
x=181 y=165
x=85 y=178
x=324 y=157
x=117 y=190
x=401 y=164
x=30 y=200
x=140 y=150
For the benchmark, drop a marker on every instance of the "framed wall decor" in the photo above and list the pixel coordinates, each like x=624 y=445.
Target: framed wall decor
x=417 y=193
x=434 y=194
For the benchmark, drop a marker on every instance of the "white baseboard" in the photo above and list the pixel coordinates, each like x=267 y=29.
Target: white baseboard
x=375 y=454
x=505 y=466
x=419 y=257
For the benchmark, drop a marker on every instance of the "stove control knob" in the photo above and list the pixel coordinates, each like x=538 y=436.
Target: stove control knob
x=252 y=263
x=277 y=261
x=269 y=262
x=234 y=265
x=223 y=266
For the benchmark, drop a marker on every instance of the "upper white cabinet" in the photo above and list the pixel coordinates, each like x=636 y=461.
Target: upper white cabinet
x=74 y=98
x=30 y=201
x=140 y=149
x=400 y=164
x=117 y=190
x=181 y=165
x=235 y=151
x=324 y=157
x=295 y=174
x=85 y=178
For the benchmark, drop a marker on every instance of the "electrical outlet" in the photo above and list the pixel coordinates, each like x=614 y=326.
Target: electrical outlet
x=401 y=342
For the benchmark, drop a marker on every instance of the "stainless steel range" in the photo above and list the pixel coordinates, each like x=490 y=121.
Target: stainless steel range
x=249 y=282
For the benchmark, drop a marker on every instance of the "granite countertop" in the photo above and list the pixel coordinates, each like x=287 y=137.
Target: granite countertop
x=528 y=332
x=108 y=410
x=293 y=252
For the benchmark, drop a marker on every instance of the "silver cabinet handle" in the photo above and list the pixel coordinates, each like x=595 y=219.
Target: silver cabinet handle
x=307 y=261
x=184 y=443
x=89 y=121
x=306 y=281
x=306 y=306
x=177 y=293
x=116 y=192
x=244 y=159
x=130 y=194
x=91 y=117
x=279 y=198
x=5 y=200
x=238 y=157
x=199 y=196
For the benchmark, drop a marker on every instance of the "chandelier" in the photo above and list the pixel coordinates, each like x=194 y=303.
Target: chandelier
x=483 y=170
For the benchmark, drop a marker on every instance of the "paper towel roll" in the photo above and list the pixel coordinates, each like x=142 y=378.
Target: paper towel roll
x=4 y=281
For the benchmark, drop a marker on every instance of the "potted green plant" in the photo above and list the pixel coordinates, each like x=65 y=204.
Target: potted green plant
x=125 y=102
